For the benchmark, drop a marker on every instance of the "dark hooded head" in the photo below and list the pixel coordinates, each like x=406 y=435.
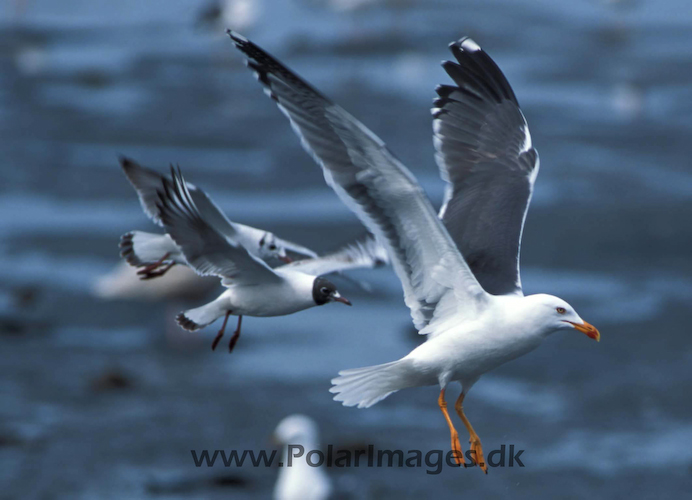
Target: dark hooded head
x=324 y=291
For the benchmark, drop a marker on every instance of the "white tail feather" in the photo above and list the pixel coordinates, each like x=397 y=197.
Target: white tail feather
x=140 y=248
x=194 y=319
x=366 y=386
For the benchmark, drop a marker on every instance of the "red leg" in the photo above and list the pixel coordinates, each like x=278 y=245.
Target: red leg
x=148 y=271
x=220 y=334
x=156 y=274
x=236 y=335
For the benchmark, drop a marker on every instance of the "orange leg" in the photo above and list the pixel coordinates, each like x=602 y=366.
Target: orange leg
x=456 y=446
x=476 y=447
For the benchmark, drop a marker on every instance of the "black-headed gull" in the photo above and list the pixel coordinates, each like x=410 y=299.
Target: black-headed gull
x=155 y=254
x=253 y=288
x=300 y=481
x=471 y=307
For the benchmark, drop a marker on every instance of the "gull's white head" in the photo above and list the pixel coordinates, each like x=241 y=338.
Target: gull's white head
x=296 y=429
x=551 y=314
x=269 y=247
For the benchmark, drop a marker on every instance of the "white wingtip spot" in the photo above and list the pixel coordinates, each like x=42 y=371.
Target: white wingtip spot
x=470 y=45
x=236 y=35
x=527 y=140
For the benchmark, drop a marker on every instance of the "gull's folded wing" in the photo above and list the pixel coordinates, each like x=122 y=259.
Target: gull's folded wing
x=377 y=187
x=483 y=148
x=206 y=250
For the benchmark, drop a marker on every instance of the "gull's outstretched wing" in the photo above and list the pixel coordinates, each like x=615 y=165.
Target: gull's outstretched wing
x=206 y=250
x=296 y=251
x=484 y=152
x=358 y=255
x=148 y=182
x=378 y=188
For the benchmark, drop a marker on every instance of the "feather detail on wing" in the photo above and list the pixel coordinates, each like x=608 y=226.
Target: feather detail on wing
x=206 y=250
x=484 y=152
x=358 y=255
x=375 y=186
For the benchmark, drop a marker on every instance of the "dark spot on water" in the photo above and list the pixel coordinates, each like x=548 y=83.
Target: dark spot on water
x=112 y=380
x=229 y=481
x=12 y=327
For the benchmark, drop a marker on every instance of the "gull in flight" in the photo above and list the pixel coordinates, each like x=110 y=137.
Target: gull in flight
x=253 y=288
x=460 y=272
x=155 y=254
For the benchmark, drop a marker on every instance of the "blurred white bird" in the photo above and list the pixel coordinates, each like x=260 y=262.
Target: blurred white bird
x=220 y=14
x=300 y=481
x=124 y=283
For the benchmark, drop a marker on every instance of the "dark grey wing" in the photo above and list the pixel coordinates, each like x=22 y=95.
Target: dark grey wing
x=483 y=148
x=148 y=182
x=206 y=250
x=377 y=187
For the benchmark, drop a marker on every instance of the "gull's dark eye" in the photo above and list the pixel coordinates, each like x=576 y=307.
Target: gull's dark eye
x=272 y=247
x=561 y=310
x=324 y=290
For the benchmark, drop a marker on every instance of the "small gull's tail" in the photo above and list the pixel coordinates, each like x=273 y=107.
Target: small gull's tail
x=194 y=319
x=139 y=248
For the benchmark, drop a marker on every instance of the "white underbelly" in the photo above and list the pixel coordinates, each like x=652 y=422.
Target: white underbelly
x=265 y=301
x=464 y=356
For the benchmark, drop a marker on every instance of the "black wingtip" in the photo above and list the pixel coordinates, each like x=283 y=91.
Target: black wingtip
x=186 y=323
x=127 y=163
x=127 y=251
x=475 y=71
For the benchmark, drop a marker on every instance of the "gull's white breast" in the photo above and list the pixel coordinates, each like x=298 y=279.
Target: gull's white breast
x=292 y=294
x=468 y=349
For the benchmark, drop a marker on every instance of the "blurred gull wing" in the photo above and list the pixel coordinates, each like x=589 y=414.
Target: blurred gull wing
x=206 y=250
x=377 y=187
x=298 y=250
x=148 y=182
x=483 y=149
x=360 y=254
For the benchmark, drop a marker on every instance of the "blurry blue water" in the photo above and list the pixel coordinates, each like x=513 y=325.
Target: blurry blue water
x=605 y=88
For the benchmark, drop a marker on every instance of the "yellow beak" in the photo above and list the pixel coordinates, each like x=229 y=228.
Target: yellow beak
x=588 y=329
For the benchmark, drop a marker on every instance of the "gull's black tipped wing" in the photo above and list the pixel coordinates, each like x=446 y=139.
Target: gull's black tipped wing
x=483 y=148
